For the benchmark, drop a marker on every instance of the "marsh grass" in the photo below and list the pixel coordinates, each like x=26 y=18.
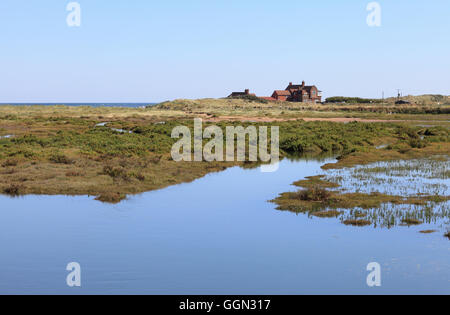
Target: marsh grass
x=315 y=193
x=383 y=194
x=61 y=150
x=74 y=174
x=250 y=107
x=316 y=182
x=327 y=214
x=10 y=162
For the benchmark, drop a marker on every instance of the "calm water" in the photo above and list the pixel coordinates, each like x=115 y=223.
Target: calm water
x=217 y=235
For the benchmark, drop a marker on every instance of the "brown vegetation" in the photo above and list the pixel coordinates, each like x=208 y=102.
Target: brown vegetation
x=13 y=190
x=327 y=214
x=357 y=222
x=410 y=221
x=111 y=197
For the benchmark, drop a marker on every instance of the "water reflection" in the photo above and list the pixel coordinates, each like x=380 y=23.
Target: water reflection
x=414 y=179
x=216 y=235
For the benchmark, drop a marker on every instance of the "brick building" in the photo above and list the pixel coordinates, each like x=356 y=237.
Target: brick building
x=299 y=93
x=281 y=95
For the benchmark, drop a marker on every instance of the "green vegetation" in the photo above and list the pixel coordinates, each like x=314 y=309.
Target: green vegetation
x=243 y=108
x=300 y=137
x=428 y=99
x=319 y=199
x=251 y=98
x=352 y=100
x=415 y=101
x=66 y=150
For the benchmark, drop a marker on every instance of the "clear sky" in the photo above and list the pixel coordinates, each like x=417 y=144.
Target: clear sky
x=150 y=51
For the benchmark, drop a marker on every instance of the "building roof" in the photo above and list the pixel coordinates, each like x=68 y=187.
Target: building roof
x=268 y=98
x=299 y=88
x=282 y=93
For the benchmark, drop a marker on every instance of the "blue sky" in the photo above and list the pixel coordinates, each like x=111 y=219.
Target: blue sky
x=150 y=51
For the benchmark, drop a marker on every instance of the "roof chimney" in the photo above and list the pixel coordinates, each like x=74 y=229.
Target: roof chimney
x=247 y=92
x=303 y=83
x=290 y=83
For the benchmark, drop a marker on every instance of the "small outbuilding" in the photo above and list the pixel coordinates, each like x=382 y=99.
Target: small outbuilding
x=240 y=94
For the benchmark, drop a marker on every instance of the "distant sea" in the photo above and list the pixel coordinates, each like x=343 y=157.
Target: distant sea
x=135 y=105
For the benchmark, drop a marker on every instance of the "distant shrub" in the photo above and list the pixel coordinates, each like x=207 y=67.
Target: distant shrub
x=313 y=194
x=437 y=134
x=61 y=159
x=251 y=98
x=417 y=143
x=352 y=100
x=402 y=148
x=436 y=131
x=406 y=132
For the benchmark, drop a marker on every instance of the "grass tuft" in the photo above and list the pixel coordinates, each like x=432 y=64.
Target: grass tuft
x=312 y=194
x=10 y=162
x=111 y=197
x=13 y=190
